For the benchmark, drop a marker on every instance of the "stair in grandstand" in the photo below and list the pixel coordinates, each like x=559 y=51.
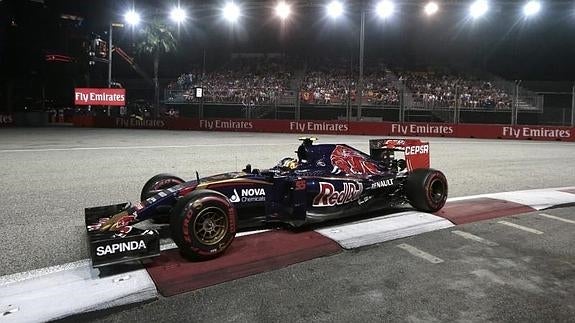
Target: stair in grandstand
x=408 y=99
x=442 y=115
x=528 y=100
x=297 y=79
x=522 y=105
x=263 y=112
x=425 y=116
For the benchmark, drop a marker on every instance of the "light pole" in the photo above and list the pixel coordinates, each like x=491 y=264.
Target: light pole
x=110 y=50
x=384 y=10
x=132 y=18
x=359 y=93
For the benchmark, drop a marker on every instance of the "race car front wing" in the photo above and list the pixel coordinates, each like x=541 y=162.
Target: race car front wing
x=122 y=245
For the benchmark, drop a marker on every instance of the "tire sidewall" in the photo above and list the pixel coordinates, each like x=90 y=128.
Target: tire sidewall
x=419 y=189
x=186 y=212
x=432 y=178
x=159 y=182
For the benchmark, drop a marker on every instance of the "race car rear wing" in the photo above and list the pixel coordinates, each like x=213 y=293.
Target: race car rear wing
x=416 y=151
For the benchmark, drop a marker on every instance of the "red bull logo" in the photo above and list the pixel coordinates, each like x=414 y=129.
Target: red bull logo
x=328 y=196
x=350 y=161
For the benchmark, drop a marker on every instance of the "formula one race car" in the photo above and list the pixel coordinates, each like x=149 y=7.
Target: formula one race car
x=325 y=182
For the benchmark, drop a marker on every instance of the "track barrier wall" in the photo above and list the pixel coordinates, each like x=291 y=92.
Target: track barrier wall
x=6 y=120
x=484 y=131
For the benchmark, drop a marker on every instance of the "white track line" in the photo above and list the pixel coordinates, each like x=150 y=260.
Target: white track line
x=557 y=218
x=475 y=238
x=499 y=195
x=135 y=147
x=247 y=144
x=168 y=243
x=520 y=227
x=420 y=253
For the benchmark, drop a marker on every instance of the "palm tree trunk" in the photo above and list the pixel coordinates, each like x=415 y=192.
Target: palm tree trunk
x=9 y=94
x=156 y=83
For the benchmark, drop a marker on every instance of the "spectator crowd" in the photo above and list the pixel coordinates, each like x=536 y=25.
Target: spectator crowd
x=246 y=82
x=436 y=89
x=253 y=82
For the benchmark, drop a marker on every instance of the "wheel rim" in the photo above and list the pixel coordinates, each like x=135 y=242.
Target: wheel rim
x=437 y=191
x=211 y=225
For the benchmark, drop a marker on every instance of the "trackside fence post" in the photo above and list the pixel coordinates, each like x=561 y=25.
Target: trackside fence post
x=573 y=106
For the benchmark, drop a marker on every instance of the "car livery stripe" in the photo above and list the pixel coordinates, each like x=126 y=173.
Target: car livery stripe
x=234 y=181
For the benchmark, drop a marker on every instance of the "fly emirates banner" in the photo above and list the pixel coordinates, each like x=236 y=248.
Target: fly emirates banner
x=101 y=96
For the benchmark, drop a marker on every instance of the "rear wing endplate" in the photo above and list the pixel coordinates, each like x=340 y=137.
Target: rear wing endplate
x=416 y=151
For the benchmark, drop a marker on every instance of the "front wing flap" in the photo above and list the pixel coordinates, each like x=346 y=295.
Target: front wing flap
x=124 y=245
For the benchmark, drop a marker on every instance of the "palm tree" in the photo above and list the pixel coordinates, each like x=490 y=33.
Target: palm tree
x=158 y=39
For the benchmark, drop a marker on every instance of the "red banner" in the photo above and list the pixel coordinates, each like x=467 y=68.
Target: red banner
x=103 y=96
x=485 y=131
x=6 y=120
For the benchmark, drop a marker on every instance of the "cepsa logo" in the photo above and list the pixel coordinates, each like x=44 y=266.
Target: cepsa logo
x=328 y=196
x=6 y=119
x=416 y=150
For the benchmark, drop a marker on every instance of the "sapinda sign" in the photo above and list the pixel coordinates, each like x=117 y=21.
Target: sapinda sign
x=99 y=96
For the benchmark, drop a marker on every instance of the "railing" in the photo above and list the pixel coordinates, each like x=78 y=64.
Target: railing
x=231 y=96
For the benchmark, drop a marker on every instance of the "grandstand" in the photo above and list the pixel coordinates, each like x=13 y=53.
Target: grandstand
x=272 y=86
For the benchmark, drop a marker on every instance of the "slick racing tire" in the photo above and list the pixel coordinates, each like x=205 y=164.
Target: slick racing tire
x=158 y=183
x=203 y=224
x=426 y=189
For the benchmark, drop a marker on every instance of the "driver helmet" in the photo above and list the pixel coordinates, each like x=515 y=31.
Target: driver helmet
x=288 y=163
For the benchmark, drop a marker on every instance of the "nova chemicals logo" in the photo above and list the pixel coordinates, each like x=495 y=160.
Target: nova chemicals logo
x=249 y=195
x=235 y=198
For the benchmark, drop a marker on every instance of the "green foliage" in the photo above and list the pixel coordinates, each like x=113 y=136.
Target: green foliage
x=156 y=37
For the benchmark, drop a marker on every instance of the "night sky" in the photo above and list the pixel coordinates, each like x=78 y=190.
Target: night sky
x=502 y=42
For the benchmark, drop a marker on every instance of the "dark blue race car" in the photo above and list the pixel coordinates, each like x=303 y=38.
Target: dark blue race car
x=326 y=181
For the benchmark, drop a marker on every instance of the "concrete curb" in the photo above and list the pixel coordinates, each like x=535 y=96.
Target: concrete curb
x=74 y=288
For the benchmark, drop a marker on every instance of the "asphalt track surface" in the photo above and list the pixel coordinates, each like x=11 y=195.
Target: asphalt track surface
x=524 y=277
x=50 y=174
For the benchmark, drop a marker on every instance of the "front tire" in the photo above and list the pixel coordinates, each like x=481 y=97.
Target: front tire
x=426 y=189
x=203 y=224
x=159 y=183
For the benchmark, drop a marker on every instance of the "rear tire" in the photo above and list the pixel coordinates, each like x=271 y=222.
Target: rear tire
x=159 y=183
x=203 y=224
x=426 y=189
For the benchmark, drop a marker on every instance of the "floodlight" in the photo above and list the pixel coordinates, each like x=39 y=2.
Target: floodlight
x=231 y=12
x=384 y=8
x=431 y=8
x=334 y=9
x=283 y=10
x=478 y=8
x=531 y=8
x=132 y=17
x=178 y=15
